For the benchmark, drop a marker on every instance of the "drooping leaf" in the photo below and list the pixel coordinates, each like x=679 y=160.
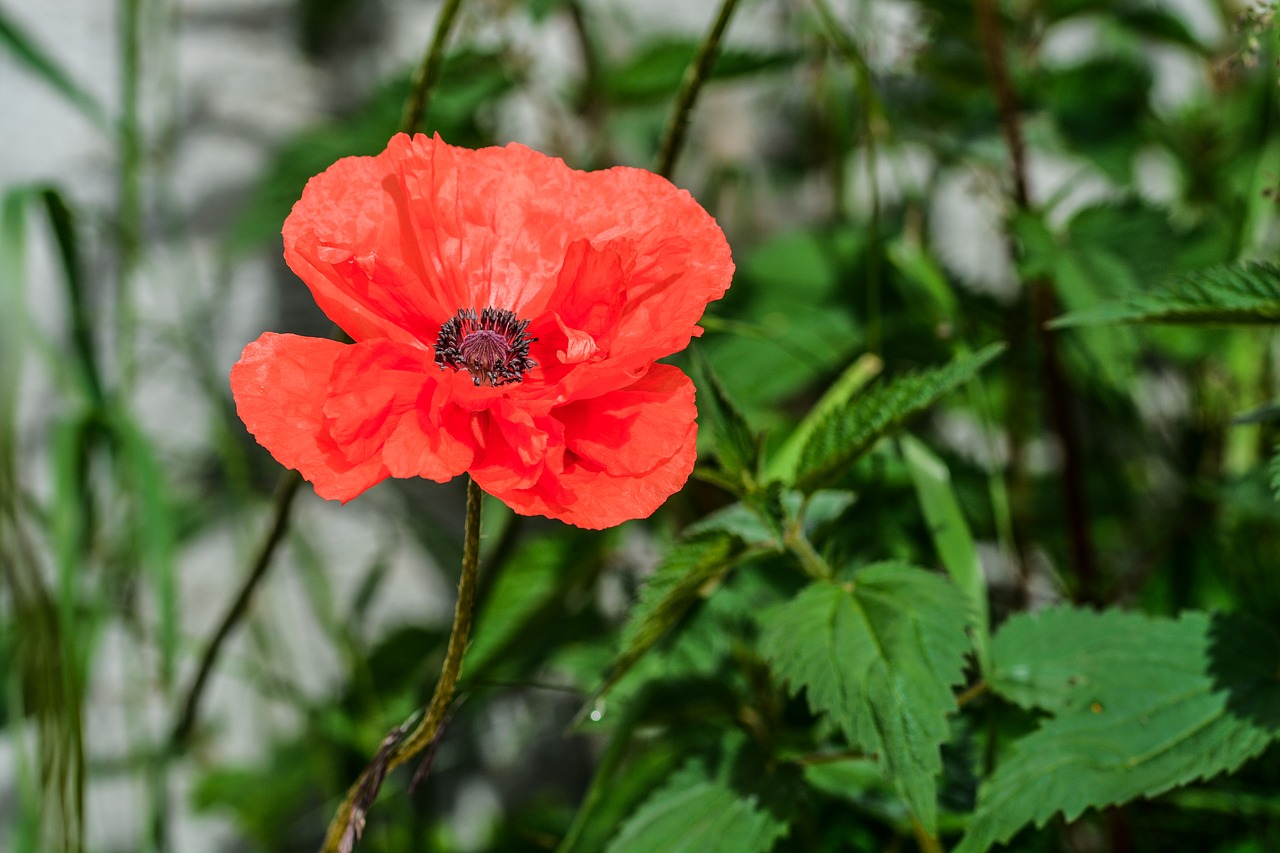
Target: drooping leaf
x=1228 y=293
x=850 y=431
x=699 y=810
x=684 y=575
x=951 y=537
x=880 y=655
x=1140 y=705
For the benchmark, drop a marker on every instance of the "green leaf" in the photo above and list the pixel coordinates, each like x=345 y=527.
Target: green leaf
x=782 y=464
x=25 y=49
x=880 y=655
x=851 y=430
x=1228 y=293
x=687 y=573
x=951 y=537
x=699 y=811
x=1140 y=705
x=737 y=445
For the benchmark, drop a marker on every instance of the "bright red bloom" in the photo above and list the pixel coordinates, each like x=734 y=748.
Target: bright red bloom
x=506 y=313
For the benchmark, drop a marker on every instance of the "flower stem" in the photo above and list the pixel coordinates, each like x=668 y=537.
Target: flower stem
x=694 y=76
x=399 y=748
x=428 y=71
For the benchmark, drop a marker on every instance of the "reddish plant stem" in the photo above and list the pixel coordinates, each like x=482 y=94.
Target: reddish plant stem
x=1044 y=307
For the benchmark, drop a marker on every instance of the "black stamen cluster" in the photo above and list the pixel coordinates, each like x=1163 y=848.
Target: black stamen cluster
x=493 y=348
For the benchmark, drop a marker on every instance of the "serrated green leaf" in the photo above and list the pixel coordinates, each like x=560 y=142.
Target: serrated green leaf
x=782 y=464
x=1141 y=705
x=737 y=445
x=679 y=580
x=1228 y=293
x=698 y=811
x=951 y=537
x=850 y=431
x=880 y=655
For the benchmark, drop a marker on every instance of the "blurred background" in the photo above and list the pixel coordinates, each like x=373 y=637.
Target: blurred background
x=851 y=149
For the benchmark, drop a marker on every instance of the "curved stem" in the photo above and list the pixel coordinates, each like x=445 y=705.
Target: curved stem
x=694 y=77
x=428 y=71
x=398 y=747
x=285 y=493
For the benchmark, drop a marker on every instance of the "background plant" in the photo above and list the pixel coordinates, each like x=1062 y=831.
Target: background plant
x=980 y=548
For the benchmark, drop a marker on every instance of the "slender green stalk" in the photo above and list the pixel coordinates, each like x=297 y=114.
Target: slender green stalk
x=398 y=748
x=428 y=71
x=694 y=78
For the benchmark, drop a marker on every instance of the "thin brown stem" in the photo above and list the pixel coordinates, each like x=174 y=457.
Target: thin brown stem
x=399 y=747
x=694 y=78
x=286 y=491
x=1044 y=307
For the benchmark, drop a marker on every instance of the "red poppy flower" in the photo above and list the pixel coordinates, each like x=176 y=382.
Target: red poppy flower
x=506 y=312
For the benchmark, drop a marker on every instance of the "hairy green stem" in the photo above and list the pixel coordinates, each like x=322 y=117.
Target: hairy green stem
x=398 y=748
x=428 y=71
x=694 y=78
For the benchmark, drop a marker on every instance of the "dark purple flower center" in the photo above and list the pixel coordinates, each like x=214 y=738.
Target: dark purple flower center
x=493 y=348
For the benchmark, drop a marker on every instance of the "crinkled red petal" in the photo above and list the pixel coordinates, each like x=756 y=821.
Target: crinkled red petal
x=280 y=385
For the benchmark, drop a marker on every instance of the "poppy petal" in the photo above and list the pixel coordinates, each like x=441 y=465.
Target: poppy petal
x=596 y=499
x=630 y=431
x=380 y=405
x=280 y=385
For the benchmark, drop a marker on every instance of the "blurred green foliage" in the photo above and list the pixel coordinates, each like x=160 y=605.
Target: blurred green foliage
x=1044 y=616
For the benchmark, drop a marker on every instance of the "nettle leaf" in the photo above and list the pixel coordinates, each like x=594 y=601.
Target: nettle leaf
x=1228 y=293
x=700 y=810
x=1140 y=705
x=880 y=655
x=685 y=575
x=850 y=431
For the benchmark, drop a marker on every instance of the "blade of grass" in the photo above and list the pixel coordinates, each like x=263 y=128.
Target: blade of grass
x=24 y=48
x=951 y=537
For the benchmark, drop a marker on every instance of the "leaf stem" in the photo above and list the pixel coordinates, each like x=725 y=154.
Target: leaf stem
x=694 y=77
x=428 y=71
x=810 y=560
x=348 y=822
